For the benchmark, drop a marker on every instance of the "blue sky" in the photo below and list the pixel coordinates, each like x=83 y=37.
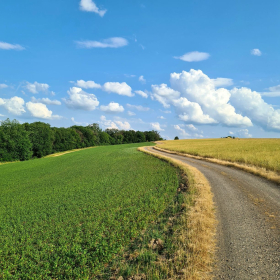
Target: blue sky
x=193 y=69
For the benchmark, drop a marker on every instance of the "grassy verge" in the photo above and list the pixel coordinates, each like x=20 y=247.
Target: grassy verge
x=68 y=217
x=180 y=244
x=257 y=156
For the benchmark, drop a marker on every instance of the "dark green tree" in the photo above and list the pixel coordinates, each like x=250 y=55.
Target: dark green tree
x=41 y=136
x=14 y=141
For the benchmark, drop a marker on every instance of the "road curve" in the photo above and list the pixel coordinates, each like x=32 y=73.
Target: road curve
x=248 y=212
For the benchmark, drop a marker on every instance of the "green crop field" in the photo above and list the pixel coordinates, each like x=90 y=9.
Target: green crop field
x=258 y=152
x=66 y=217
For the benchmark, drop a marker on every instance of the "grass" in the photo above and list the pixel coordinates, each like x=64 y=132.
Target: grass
x=195 y=240
x=262 y=153
x=69 y=217
x=181 y=243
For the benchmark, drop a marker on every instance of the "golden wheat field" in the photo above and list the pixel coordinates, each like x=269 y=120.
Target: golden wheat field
x=258 y=152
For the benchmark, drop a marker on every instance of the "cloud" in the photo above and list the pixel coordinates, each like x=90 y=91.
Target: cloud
x=108 y=123
x=191 y=112
x=112 y=107
x=115 y=124
x=40 y=110
x=191 y=127
x=46 y=101
x=138 y=107
x=251 y=103
x=77 y=123
x=7 y=46
x=182 y=131
x=14 y=105
x=156 y=126
x=130 y=76
x=131 y=113
x=79 y=99
x=90 y=6
x=202 y=101
x=161 y=117
x=166 y=111
x=256 y=52
x=142 y=93
x=244 y=133
x=142 y=80
x=193 y=56
x=3 y=86
x=123 y=125
x=36 y=87
x=273 y=92
x=119 y=88
x=88 y=84
x=114 y=42
x=164 y=94
x=222 y=82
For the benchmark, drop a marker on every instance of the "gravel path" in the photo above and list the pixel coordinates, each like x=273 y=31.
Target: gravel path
x=248 y=212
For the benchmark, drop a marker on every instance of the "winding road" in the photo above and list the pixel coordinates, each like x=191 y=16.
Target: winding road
x=248 y=214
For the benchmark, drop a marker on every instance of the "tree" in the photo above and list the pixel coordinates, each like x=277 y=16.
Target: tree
x=14 y=141
x=41 y=136
x=140 y=137
x=104 y=138
x=176 y=138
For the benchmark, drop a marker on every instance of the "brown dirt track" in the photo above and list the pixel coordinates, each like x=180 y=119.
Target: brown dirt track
x=248 y=212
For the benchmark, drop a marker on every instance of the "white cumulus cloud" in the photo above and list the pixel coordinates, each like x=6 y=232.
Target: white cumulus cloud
x=114 y=42
x=142 y=93
x=156 y=126
x=209 y=104
x=36 y=87
x=40 y=110
x=14 y=105
x=79 y=99
x=112 y=107
x=87 y=84
x=251 y=103
x=191 y=112
x=256 y=52
x=90 y=6
x=119 y=88
x=7 y=46
x=122 y=125
x=193 y=56
x=163 y=94
x=46 y=101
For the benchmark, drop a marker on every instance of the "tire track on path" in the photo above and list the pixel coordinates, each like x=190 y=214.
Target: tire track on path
x=248 y=212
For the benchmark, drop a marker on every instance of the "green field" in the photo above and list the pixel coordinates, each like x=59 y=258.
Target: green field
x=66 y=217
x=258 y=152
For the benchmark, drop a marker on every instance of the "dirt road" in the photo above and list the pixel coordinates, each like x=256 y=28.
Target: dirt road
x=248 y=212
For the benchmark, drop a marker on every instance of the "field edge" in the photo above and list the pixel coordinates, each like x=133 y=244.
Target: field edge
x=259 y=171
x=196 y=240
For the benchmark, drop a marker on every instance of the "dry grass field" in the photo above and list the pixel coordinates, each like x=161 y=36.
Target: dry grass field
x=264 y=153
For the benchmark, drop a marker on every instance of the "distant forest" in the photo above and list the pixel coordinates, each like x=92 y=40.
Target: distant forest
x=38 y=139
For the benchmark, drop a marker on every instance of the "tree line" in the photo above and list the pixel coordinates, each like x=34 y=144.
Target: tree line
x=38 y=139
